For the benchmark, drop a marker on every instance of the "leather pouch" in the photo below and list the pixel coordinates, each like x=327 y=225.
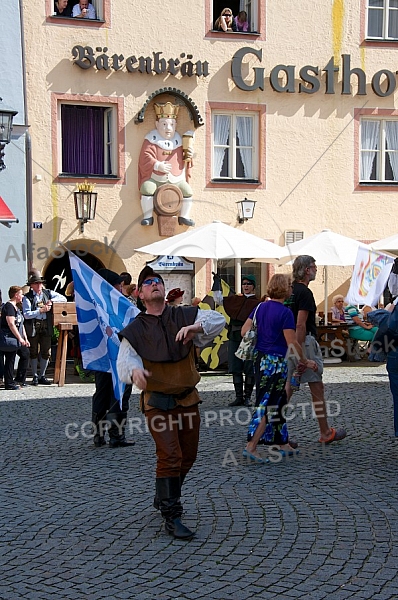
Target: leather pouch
x=162 y=401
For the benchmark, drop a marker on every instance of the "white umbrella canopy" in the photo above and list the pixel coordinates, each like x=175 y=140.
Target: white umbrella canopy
x=328 y=249
x=216 y=240
x=389 y=243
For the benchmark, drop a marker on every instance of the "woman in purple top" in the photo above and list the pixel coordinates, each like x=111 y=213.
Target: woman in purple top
x=275 y=336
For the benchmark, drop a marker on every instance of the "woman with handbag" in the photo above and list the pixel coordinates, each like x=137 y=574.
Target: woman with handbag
x=276 y=337
x=14 y=340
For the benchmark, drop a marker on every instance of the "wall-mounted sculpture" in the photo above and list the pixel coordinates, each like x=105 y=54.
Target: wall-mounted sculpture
x=166 y=158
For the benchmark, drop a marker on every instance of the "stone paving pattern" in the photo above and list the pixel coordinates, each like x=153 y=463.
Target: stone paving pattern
x=78 y=522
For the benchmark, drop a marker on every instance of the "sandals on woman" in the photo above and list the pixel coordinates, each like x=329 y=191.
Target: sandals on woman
x=336 y=435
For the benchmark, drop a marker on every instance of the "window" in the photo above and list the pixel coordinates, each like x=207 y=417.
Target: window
x=234 y=148
x=293 y=236
x=249 y=6
x=382 y=19
x=68 y=8
x=253 y=8
x=88 y=140
x=379 y=150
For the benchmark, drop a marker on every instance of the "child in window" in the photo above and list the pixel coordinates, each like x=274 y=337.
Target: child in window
x=241 y=21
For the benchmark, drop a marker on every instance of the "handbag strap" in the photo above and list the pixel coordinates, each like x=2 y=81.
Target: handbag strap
x=254 y=316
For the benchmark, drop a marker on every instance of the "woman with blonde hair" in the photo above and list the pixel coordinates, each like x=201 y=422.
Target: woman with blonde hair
x=276 y=338
x=225 y=21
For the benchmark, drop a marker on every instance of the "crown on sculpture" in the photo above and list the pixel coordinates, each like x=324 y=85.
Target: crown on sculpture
x=166 y=111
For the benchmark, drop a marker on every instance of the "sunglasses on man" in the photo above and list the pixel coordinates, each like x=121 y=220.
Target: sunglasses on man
x=151 y=280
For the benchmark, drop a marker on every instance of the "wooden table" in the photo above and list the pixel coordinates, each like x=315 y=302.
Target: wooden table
x=331 y=339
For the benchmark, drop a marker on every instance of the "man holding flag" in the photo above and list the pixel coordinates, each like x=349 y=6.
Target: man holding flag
x=102 y=311
x=157 y=355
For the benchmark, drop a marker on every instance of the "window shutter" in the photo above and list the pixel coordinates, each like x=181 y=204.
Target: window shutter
x=293 y=236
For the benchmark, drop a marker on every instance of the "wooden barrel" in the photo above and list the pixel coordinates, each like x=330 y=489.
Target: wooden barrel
x=167 y=200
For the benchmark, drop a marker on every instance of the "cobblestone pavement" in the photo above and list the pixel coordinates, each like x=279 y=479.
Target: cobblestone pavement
x=78 y=522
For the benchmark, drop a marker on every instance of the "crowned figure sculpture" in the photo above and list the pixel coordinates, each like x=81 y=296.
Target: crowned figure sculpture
x=165 y=157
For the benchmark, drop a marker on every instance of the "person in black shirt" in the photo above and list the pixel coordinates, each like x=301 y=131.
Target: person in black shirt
x=11 y=323
x=62 y=9
x=304 y=310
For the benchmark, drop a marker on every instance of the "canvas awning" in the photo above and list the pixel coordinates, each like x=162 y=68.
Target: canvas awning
x=6 y=215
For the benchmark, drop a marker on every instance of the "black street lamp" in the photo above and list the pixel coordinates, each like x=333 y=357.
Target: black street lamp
x=6 y=116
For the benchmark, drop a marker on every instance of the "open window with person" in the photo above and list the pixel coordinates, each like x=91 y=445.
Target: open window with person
x=88 y=140
x=379 y=150
x=250 y=7
x=382 y=20
x=235 y=151
x=83 y=10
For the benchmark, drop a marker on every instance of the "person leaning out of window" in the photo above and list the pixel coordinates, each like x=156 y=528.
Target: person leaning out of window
x=61 y=9
x=84 y=10
x=241 y=22
x=225 y=21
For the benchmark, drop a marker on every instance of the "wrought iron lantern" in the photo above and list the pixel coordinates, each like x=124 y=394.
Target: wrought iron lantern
x=85 y=203
x=6 y=116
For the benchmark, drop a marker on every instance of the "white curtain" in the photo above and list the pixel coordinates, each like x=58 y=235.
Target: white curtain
x=392 y=144
x=98 y=8
x=369 y=140
x=222 y=124
x=244 y=129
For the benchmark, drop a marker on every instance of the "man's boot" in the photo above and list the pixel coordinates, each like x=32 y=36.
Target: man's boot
x=249 y=386
x=168 y=490
x=156 y=501
x=116 y=430
x=237 y=379
x=98 y=430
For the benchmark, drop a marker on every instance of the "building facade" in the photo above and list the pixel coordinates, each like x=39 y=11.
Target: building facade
x=298 y=113
x=14 y=191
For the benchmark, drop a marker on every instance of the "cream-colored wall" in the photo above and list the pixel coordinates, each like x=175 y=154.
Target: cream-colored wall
x=309 y=139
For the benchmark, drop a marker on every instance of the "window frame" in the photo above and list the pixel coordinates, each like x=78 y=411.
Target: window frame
x=103 y=21
x=233 y=147
x=210 y=18
x=117 y=142
x=381 y=152
x=386 y=8
x=258 y=111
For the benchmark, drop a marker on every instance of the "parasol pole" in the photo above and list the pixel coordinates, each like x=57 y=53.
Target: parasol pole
x=326 y=295
x=238 y=275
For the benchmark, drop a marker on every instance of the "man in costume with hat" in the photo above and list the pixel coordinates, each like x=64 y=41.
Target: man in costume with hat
x=39 y=321
x=238 y=307
x=163 y=160
x=157 y=355
x=106 y=408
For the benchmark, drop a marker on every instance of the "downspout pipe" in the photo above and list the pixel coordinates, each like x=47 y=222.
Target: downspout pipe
x=28 y=152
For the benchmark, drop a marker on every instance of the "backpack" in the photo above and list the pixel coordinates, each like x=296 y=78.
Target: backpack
x=392 y=326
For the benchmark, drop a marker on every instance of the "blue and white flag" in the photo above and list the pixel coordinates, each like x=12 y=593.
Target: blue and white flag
x=102 y=312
